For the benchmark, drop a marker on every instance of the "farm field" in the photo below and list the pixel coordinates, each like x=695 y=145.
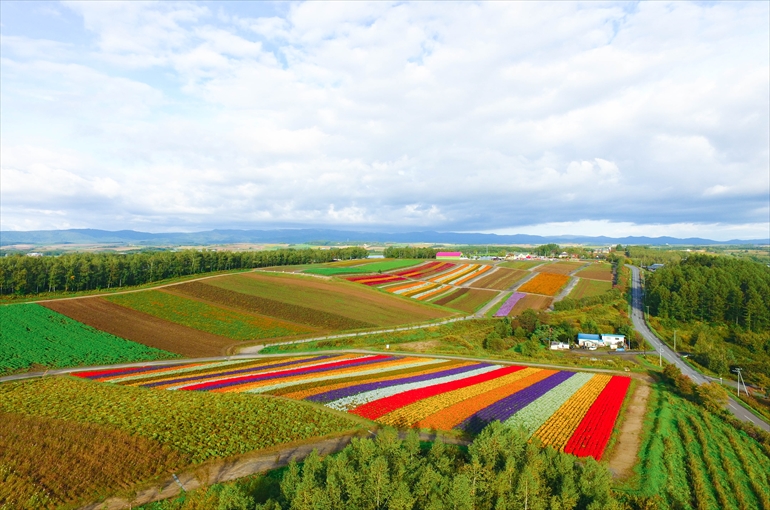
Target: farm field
x=269 y=307
x=547 y=284
x=465 y=299
x=141 y=327
x=564 y=268
x=425 y=270
x=587 y=288
x=521 y=264
x=500 y=279
x=208 y=317
x=693 y=459
x=34 y=336
x=530 y=302
x=342 y=298
x=601 y=271
x=363 y=267
x=573 y=412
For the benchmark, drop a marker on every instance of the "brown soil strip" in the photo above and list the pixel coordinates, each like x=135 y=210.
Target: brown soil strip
x=142 y=328
x=533 y=301
x=468 y=302
x=564 y=268
x=501 y=279
x=451 y=296
x=625 y=452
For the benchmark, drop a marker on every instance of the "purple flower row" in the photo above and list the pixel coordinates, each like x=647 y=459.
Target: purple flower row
x=509 y=304
x=508 y=406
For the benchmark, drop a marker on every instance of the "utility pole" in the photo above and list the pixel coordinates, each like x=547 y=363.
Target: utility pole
x=674 y=341
x=741 y=380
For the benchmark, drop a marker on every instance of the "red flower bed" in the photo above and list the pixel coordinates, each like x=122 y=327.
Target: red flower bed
x=592 y=434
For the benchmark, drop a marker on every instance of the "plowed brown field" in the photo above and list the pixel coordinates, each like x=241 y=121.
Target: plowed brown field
x=532 y=301
x=597 y=272
x=500 y=279
x=140 y=327
x=467 y=300
x=559 y=267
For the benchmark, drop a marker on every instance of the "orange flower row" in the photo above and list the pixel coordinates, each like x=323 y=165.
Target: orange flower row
x=545 y=283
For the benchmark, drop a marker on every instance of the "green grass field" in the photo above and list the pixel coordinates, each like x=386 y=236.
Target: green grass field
x=587 y=288
x=372 y=267
x=339 y=297
x=32 y=335
x=522 y=264
x=206 y=317
x=693 y=459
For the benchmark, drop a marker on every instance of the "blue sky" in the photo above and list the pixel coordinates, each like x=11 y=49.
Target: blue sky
x=523 y=117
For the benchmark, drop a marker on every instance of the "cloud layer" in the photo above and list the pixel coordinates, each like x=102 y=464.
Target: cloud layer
x=396 y=116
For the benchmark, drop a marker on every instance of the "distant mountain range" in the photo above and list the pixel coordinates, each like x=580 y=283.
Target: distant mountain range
x=303 y=236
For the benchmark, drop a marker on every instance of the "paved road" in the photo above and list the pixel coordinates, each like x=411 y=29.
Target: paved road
x=637 y=316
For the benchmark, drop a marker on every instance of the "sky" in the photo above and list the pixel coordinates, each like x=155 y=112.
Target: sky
x=550 y=118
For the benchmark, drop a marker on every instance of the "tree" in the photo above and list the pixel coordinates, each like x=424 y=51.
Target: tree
x=712 y=396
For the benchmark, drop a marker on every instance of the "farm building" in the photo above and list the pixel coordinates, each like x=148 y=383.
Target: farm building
x=614 y=341
x=604 y=340
x=449 y=255
x=589 y=340
x=559 y=346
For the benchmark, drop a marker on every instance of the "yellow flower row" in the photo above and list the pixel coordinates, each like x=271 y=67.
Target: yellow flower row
x=412 y=413
x=557 y=430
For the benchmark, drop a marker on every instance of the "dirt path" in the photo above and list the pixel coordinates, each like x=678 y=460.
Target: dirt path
x=245 y=465
x=625 y=453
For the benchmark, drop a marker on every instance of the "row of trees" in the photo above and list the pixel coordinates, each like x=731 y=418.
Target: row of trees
x=712 y=289
x=409 y=252
x=24 y=275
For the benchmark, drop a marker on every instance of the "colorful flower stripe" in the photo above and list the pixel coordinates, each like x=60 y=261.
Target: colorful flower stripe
x=452 y=416
x=557 y=429
x=217 y=384
x=425 y=288
x=376 y=280
x=436 y=271
x=506 y=407
x=408 y=273
x=216 y=372
x=454 y=273
x=312 y=390
x=592 y=434
x=349 y=391
x=412 y=414
x=484 y=268
x=167 y=381
x=396 y=288
x=299 y=377
x=427 y=295
x=380 y=408
x=355 y=371
x=537 y=412
x=509 y=304
x=137 y=379
x=355 y=401
x=101 y=374
x=473 y=270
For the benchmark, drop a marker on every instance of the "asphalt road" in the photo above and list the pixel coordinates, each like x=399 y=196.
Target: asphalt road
x=637 y=316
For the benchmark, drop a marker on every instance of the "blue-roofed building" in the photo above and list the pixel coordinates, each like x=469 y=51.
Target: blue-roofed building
x=589 y=340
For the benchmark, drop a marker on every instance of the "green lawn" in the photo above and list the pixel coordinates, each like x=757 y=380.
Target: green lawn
x=587 y=288
x=522 y=264
x=372 y=267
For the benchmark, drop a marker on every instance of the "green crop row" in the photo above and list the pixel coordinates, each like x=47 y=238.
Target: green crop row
x=32 y=335
x=200 y=424
x=206 y=317
x=374 y=267
x=693 y=459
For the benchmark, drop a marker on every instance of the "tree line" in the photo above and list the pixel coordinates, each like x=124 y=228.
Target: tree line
x=712 y=289
x=409 y=252
x=23 y=275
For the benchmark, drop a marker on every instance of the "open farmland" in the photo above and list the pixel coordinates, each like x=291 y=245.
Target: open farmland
x=521 y=264
x=600 y=271
x=500 y=279
x=564 y=268
x=337 y=297
x=141 y=327
x=363 y=267
x=465 y=299
x=588 y=288
x=199 y=425
x=47 y=462
x=270 y=307
x=547 y=284
x=34 y=336
x=207 y=317
x=530 y=302
x=693 y=459
x=573 y=412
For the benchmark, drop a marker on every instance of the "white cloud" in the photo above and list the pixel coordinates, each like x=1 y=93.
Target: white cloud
x=402 y=115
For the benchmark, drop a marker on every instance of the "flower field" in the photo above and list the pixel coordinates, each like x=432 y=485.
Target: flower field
x=547 y=284
x=509 y=304
x=574 y=412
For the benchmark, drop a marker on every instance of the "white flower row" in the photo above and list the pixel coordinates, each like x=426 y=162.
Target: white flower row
x=413 y=287
x=418 y=296
x=155 y=373
x=451 y=274
x=263 y=389
x=360 y=399
x=538 y=412
x=476 y=271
